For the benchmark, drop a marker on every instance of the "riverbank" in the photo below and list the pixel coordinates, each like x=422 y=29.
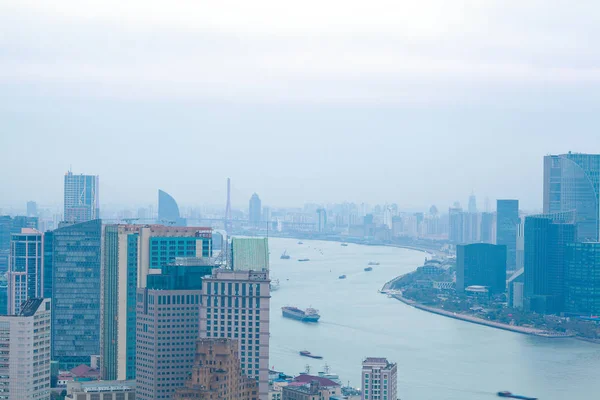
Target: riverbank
x=480 y=321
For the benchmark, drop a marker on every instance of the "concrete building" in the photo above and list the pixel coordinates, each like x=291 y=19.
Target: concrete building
x=25 y=344
x=217 y=374
x=81 y=198
x=313 y=390
x=25 y=268
x=546 y=237
x=379 y=379
x=322 y=220
x=249 y=254
x=167 y=327
x=131 y=254
x=32 y=209
x=487 y=227
x=481 y=264
x=254 y=210
x=582 y=278
x=515 y=289
x=572 y=183
x=76 y=263
x=8 y=226
x=105 y=390
x=236 y=306
x=507 y=220
x=456 y=221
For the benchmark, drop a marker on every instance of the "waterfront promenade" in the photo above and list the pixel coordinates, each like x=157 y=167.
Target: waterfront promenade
x=480 y=321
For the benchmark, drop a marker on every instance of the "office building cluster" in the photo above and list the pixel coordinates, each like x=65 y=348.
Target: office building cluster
x=144 y=303
x=549 y=261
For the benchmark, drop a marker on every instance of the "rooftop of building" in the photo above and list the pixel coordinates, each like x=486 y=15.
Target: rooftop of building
x=85 y=371
x=30 y=307
x=305 y=378
x=377 y=361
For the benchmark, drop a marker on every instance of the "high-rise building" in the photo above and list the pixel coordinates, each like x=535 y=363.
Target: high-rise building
x=481 y=264
x=32 y=210
x=322 y=220
x=168 y=210
x=572 y=183
x=25 y=343
x=546 y=237
x=487 y=227
x=507 y=219
x=217 y=374
x=472 y=225
x=456 y=225
x=25 y=268
x=132 y=254
x=93 y=390
x=379 y=379
x=3 y=295
x=167 y=327
x=76 y=262
x=582 y=278
x=8 y=226
x=254 y=210
x=81 y=198
x=249 y=254
x=236 y=306
x=472 y=204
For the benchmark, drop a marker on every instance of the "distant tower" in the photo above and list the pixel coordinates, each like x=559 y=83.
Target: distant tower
x=254 y=210
x=228 y=207
x=472 y=203
x=81 y=198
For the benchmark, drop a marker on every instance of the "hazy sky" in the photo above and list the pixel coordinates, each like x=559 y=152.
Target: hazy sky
x=413 y=102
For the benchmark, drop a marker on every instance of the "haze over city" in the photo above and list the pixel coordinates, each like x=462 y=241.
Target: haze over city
x=416 y=103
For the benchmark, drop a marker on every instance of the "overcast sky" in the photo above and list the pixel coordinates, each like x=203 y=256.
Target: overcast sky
x=413 y=102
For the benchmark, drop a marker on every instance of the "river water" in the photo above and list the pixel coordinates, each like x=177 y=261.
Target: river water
x=438 y=357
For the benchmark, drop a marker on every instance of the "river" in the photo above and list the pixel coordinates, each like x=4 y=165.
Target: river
x=438 y=357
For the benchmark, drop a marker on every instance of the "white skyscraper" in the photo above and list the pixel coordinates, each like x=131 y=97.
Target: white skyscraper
x=236 y=306
x=379 y=379
x=25 y=343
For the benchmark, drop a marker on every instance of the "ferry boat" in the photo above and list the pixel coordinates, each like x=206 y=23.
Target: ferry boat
x=369 y=269
x=342 y=277
x=344 y=244
x=308 y=315
x=303 y=259
x=305 y=353
x=515 y=396
x=285 y=255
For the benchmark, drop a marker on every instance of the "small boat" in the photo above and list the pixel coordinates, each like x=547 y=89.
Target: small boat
x=344 y=244
x=373 y=263
x=369 y=269
x=304 y=259
x=515 y=396
x=300 y=243
x=274 y=285
x=342 y=276
x=305 y=353
x=285 y=256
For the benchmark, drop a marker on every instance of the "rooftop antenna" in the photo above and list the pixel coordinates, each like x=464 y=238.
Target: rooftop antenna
x=228 y=208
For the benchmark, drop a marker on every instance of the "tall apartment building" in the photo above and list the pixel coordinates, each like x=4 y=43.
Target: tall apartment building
x=167 y=327
x=25 y=268
x=81 y=198
x=25 y=347
x=131 y=254
x=76 y=261
x=582 y=278
x=249 y=254
x=254 y=210
x=572 y=183
x=217 y=374
x=379 y=379
x=236 y=306
x=8 y=226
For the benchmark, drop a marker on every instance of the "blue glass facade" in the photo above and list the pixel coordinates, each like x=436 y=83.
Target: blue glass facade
x=546 y=237
x=76 y=263
x=582 y=278
x=507 y=219
x=168 y=210
x=164 y=250
x=572 y=183
x=481 y=264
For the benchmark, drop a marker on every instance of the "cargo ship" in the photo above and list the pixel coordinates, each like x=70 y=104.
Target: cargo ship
x=344 y=245
x=342 y=277
x=308 y=315
x=369 y=269
x=304 y=259
x=515 y=396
